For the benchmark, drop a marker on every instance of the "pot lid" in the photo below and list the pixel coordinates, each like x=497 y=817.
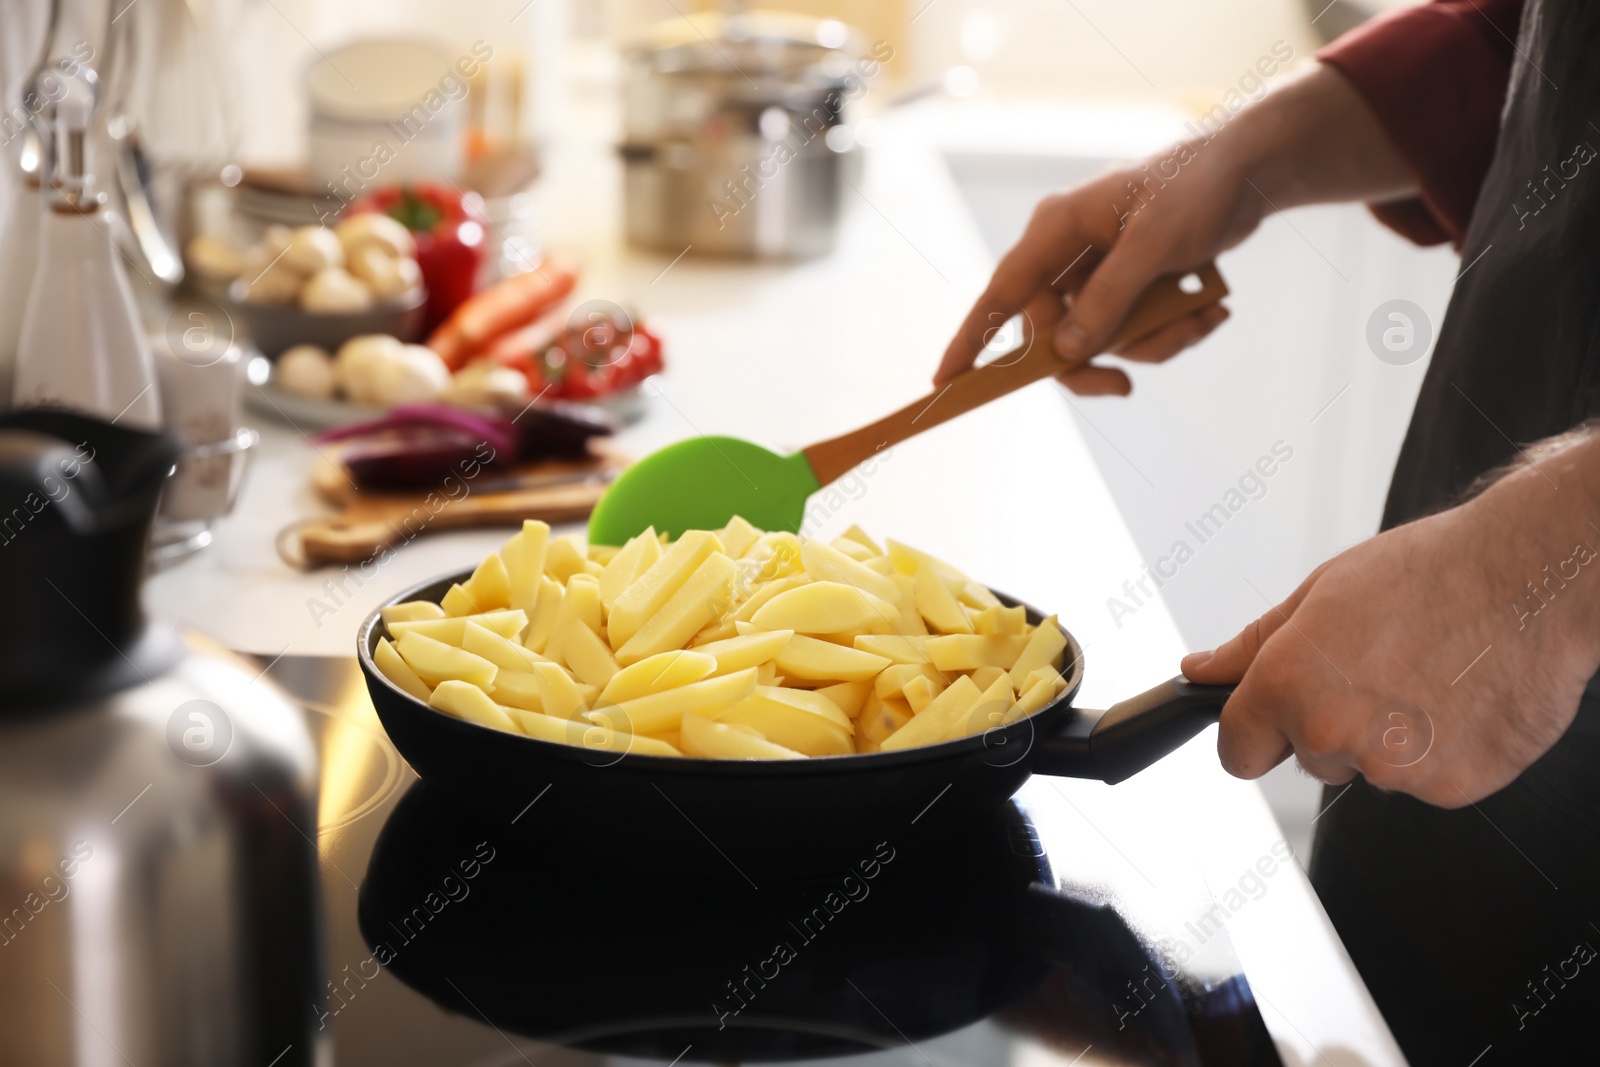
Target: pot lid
x=752 y=44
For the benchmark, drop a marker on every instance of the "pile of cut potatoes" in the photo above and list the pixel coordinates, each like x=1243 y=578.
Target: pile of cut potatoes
x=724 y=644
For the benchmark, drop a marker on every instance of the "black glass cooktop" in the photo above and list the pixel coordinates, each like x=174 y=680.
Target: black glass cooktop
x=456 y=937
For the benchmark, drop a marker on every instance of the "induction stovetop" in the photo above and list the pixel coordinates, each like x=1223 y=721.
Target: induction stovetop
x=455 y=938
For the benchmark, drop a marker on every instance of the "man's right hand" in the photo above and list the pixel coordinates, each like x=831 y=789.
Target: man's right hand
x=1089 y=252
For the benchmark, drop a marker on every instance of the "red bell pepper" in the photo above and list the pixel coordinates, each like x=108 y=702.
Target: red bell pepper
x=450 y=229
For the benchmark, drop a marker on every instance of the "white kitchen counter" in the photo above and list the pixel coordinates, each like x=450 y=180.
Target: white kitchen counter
x=791 y=354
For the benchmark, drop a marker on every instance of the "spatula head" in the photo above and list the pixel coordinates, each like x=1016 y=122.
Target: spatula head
x=700 y=484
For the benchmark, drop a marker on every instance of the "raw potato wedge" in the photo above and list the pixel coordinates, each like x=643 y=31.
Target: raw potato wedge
x=938 y=719
x=1037 y=696
x=794 y=719
x=563 y=558
x=892 y=680
x=824 y=607
x=657 y=674
x=879 y=720
x=466 y=701
x=1002 y=620
x=965 y=652
x=452 y=630
x=524 y=559
x=517 y=689
x=489 y=588
x=457 y=602
x=983 y=677
x=589 y=657
x=822 y=661
x=759 y=598
x=638 y=603
x=992 y=709
x=411 y=611
x=745 y=650
x=910 y=622
x=728 y=644
x=920 y=692
x=658 y=713
x=859 y=536
x=1044 y=649
x=737 y=536
x=501 y=651
x=398 y=671
x=894 y=648
x=937 y=604
x=976 y=596
x=537 y=635
x=1043 y=674
x=436 y=662
x=587 y=735
x=631 y=561
x=695 y=603
x=824 y=563
x=854 y=549
x=580 y=609
x=559 y=695
x=850 y=697
x=704 y=739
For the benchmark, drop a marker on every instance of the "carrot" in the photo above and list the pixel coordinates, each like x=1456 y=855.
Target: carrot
x=501 y=308
x=511 y=346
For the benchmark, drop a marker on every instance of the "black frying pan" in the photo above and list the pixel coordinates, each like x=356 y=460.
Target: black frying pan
x=811 y=814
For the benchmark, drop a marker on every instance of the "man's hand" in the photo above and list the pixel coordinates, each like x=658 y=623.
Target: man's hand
x=1094 y=248
x=1438 y=659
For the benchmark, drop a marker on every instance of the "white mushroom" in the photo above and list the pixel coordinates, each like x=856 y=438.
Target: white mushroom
x=353 y=367
x=312 y=249
x=388 y=278
x=372 y=230
x=412 y=374
x=275 y=239
x=486 y=384
x=267 y=279
x=334 y=291
x=305 y=370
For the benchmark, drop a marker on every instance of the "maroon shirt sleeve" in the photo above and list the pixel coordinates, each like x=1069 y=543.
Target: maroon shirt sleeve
x=1436 y=77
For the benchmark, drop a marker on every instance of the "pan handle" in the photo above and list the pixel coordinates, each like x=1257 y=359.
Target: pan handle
x=1131 y=735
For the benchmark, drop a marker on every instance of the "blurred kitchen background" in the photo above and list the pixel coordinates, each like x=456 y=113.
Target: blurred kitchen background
x=240 y=111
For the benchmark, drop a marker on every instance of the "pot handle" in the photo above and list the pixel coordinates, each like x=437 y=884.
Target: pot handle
x=1131 y=735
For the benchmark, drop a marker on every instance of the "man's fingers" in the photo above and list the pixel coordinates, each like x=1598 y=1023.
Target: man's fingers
x=1090 y=380
x=1175 y=336
x=1230 y=660
x=1100 y=306
x=1233 y=657
x=1016 y=281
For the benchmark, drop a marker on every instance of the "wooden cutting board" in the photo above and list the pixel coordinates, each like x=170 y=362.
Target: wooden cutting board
x=366 y=522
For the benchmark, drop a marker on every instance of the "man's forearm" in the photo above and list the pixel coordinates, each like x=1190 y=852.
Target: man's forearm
x=1315 y=140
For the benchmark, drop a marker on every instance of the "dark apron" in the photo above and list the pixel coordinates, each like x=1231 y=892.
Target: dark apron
x=1479 y=928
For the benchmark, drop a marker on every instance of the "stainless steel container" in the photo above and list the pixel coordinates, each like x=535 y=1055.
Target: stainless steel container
x=736 y=136
x=159 y=897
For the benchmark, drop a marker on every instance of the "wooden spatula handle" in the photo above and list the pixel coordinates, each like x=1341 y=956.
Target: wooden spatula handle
x=1165 y=301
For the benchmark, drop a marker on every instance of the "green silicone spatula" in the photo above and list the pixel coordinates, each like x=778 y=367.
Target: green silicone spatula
x=703 y=482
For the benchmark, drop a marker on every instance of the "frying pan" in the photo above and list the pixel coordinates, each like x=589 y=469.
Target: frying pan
x=813 y=814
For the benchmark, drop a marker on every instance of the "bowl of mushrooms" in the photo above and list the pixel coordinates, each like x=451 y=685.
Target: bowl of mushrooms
x=322 y=286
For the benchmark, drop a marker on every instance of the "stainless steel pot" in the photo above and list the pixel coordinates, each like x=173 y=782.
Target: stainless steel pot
x=736 y=137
